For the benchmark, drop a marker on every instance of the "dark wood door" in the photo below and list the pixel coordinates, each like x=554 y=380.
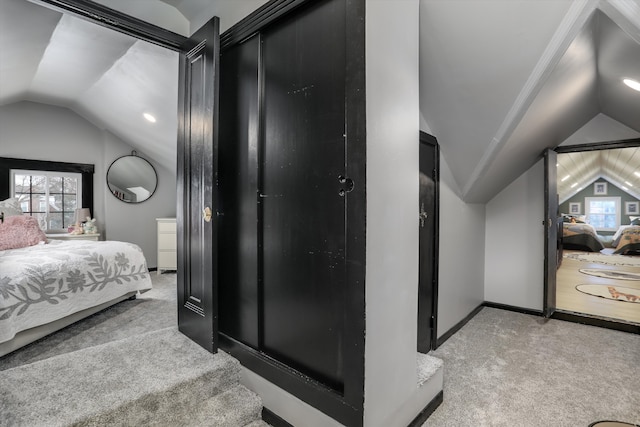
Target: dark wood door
x=303 y=192
x=239 y=198
x=427 y=217
x=551 y=231
x=197 y=187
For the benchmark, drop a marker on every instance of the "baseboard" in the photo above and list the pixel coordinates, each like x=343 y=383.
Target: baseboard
x=512 y=308
x=152 y=268
x=427 y=411
x=458 y=326
x=596 y=321
x=273 y=420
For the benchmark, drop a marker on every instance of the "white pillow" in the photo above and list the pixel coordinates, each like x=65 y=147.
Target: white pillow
x=11 y=207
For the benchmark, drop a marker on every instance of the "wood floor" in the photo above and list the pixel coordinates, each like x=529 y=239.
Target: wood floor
x=568 y=298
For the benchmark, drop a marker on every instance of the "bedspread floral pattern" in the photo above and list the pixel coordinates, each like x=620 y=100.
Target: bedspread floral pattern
x=43 y=285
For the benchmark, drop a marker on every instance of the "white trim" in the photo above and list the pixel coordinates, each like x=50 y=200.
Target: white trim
x=571 y=25
x=48 y=175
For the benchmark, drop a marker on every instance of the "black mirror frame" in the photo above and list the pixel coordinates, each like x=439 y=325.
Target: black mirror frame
x=133 y=154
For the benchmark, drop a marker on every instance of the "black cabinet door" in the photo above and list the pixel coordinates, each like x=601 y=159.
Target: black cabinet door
x=427 y=216
x=303 y=192
x=238 y=183
x=197 y=191
x=551 y=231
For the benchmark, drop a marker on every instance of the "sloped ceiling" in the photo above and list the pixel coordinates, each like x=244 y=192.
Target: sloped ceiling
x=499 y=80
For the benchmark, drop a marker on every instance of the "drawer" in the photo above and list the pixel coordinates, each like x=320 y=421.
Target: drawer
x=167 y=241
x=167 y=260
x=166 y=227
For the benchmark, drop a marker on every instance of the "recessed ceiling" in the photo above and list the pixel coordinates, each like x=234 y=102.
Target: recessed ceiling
x=584 y=167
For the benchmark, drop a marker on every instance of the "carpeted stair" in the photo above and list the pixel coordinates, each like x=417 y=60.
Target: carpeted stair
x=159 y=378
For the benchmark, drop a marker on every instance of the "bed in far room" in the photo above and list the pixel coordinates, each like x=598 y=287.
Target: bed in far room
x=47 y=286
x=581 y=237
x=626 y=241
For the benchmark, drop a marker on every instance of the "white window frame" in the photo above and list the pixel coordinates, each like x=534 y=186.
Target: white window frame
x=48 y=174
x=616 y=200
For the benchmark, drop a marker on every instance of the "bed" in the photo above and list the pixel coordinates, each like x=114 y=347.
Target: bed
x=45 y=287
x=580 y=236
x=627 y=240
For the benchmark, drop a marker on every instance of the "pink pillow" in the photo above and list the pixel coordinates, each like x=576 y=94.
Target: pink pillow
x=19 y=232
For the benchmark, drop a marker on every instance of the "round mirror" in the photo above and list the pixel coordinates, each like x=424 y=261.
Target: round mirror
x=132 y=179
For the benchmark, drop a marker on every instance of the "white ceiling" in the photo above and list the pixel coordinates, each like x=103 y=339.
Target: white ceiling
x=499 y=80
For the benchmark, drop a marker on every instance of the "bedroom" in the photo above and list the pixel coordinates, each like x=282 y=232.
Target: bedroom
x=599 y=197
x=467 y=216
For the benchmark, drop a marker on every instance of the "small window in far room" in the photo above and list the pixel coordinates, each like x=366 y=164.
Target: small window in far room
x=52 y=197
x=603 y=212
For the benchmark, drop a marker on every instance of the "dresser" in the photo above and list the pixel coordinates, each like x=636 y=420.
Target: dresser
x=167 y=243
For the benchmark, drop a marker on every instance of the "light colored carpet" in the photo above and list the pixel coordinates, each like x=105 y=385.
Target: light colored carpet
x=511 y=369
x=152 y=378
x=151 y=311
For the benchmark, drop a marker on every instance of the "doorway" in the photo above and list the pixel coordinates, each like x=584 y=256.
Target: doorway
x=587 y=262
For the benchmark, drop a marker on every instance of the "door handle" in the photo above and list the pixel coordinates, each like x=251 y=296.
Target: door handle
x=422 y=215
x=206 y=214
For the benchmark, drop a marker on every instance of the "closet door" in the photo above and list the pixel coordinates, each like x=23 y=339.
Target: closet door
x=303 y=192
x=238 y=183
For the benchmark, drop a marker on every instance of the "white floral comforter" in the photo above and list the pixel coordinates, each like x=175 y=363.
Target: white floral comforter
x=43 y=283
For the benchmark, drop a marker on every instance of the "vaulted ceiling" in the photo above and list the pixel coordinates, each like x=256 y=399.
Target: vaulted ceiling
x=499 y=81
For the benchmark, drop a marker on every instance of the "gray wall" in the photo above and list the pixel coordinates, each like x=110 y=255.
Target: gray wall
x=612 y=191
x=514 y=242
x=462 y=253
x=36 y=131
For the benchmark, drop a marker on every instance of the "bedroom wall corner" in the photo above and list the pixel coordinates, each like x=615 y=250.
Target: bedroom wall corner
x=30 y=130
x=136 y=223
x=461 y=252
x=514 y=248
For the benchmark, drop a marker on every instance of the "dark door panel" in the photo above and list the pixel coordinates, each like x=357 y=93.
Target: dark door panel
x=196 y=170
x=427 y=215
x=304 y=191
x=551 y=231
x=238 y=183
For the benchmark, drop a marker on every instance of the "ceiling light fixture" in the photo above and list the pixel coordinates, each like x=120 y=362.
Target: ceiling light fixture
x=624 y=188
x=633 y=84
x=574 y=184
x=628 y=183
x=149 y=117
x=636 y=173
x=565 y=178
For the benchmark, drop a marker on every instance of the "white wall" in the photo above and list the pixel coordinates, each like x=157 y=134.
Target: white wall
x=462 y=253
x=42 y=132
x=514 y=248
x=391 y=393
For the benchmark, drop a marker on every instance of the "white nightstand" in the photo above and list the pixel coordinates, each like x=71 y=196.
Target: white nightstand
x=67 y=236
x=167 y=244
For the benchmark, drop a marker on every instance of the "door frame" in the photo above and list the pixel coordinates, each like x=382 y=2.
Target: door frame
x=197 y=318
x=585 y=317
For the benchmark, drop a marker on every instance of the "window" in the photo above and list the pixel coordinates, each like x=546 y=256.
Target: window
x=60 y=214
x=603 y=212
x=52 y=197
